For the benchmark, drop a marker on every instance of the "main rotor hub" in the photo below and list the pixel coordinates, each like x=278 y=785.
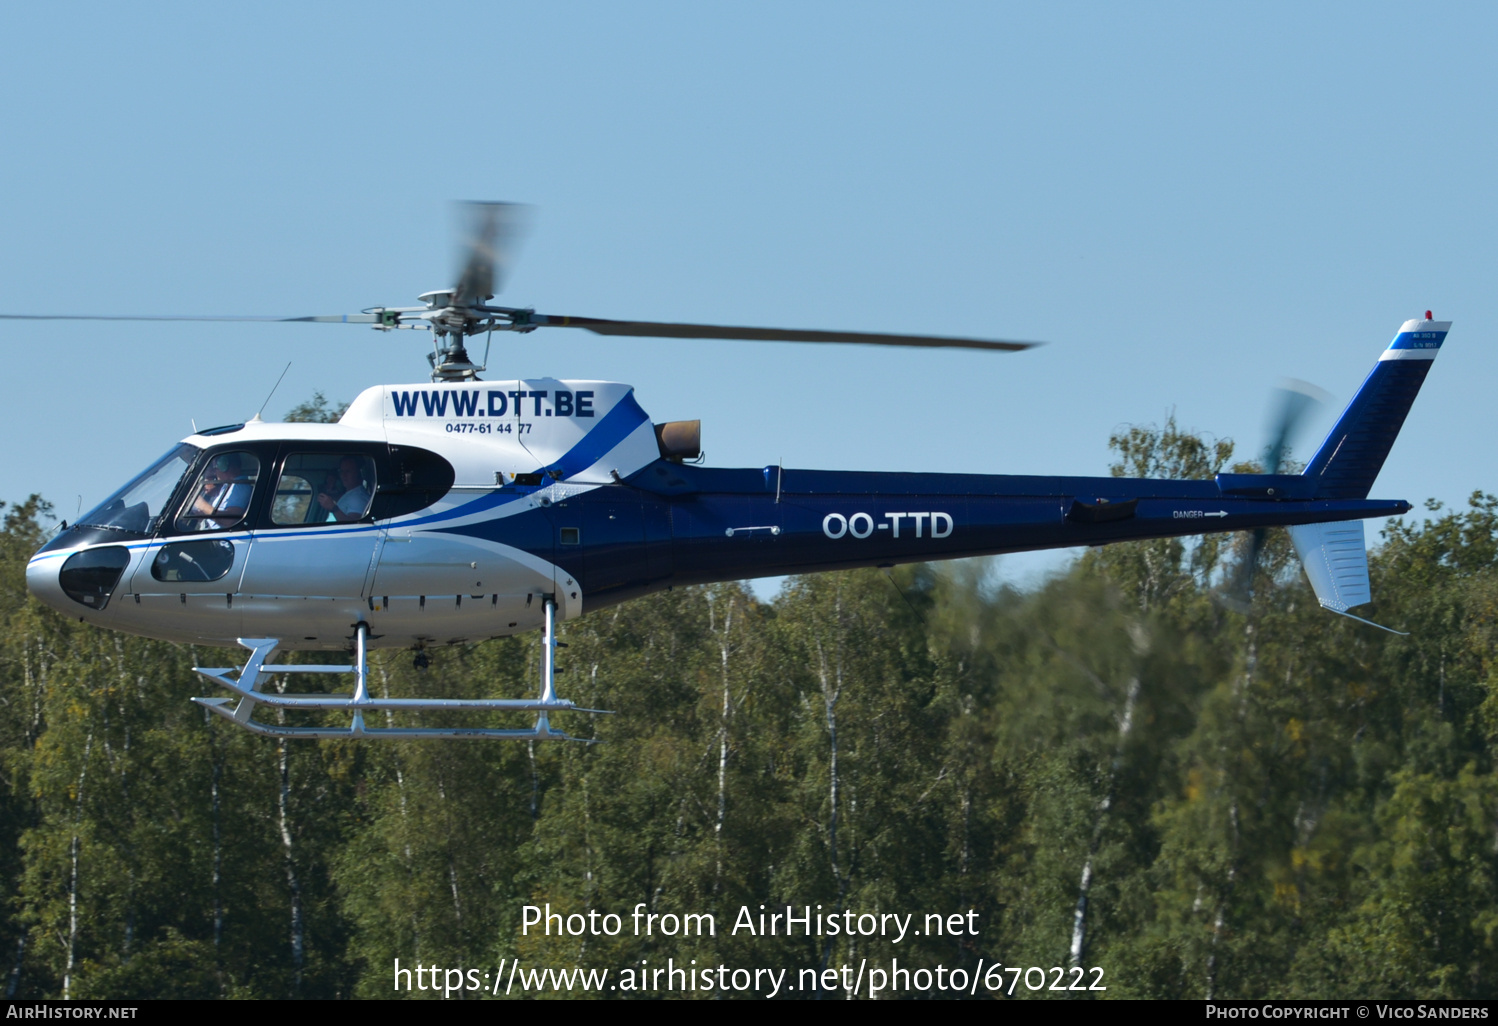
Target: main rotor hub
x=451 y=323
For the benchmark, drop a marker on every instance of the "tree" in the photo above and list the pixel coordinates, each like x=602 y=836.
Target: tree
x=317 y=410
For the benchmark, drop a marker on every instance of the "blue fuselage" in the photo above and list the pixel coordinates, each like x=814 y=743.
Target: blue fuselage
x=676 y=524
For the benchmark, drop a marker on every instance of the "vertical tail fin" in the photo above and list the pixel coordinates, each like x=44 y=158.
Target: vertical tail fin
x=1352 y=455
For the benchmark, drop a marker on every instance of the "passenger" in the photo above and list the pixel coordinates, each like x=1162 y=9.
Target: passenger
x=331 y=487
x=355 y=498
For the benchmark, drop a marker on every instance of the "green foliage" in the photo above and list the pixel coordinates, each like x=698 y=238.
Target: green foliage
x=317 y=410
x=1158 y=572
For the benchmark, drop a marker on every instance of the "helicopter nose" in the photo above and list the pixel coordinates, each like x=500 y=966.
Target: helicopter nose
x=84 y=578
x=42 y=580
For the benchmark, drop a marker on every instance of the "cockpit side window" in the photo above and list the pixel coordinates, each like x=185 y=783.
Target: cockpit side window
x=323 y=488
x=221 y=496
x=137 y=507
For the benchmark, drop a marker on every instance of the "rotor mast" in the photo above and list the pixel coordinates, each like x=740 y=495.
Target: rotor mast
x=451 y=325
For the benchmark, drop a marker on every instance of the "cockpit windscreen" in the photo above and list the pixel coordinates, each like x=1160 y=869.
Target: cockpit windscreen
x=136 y=507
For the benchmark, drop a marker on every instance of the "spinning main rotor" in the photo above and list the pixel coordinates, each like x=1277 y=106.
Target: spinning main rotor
x=453 y=315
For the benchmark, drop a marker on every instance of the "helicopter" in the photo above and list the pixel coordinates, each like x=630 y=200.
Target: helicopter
x=462 y=509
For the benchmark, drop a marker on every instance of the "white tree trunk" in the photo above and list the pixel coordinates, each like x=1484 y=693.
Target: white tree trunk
x=724 y=717
x=1084 y=886
x=67 y=973
x=298 y=929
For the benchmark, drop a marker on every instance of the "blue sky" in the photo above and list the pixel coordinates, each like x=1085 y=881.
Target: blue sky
x=1186 y=201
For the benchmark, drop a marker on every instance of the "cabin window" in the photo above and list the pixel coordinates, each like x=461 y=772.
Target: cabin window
x=572 y=536
x=323 y=488
x=194 y=561
x=221 y=496
x=416 y=479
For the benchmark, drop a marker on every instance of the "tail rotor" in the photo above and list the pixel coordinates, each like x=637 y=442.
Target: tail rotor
x=1293 y=401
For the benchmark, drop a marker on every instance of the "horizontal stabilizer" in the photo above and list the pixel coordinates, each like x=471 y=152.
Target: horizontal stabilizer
x=1336 y=562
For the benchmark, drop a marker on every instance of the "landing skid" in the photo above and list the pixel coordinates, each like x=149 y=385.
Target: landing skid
x=257 y=672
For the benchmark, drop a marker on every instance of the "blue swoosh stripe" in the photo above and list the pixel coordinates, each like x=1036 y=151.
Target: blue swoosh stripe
x=616 y=425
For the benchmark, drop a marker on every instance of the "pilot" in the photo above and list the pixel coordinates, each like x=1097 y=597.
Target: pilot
x=226 y=494
x=355 y=499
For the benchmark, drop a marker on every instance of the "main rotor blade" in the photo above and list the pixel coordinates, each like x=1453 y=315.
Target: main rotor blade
x=491 y=233
x=658 y=329
x=330 y=319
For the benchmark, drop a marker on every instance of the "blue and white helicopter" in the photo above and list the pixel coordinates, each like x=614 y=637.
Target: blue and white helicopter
x=461 y=509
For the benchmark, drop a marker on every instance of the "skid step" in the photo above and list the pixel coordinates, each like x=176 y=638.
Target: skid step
x=256 y=671
x=225 y=707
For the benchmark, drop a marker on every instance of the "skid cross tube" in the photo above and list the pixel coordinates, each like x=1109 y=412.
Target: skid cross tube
x=257 y=671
